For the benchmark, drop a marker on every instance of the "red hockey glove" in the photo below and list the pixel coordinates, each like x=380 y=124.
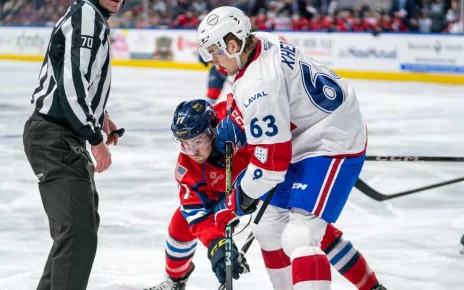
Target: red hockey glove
x=230 y=208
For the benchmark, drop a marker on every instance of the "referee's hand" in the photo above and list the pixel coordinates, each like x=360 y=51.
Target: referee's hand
x=111 y=131
x=102 y=156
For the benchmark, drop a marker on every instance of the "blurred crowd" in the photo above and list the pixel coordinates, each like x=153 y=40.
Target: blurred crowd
x=322 y=15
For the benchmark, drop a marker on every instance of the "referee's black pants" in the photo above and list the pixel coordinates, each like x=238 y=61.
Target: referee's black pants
x=66 y=183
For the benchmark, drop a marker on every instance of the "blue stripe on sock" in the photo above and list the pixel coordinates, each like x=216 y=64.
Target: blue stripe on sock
x=350 y=264
x=177 y=250
x=179 y=258
x=341 y=254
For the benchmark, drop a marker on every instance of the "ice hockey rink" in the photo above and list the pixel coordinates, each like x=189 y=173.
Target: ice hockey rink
x=412 y=243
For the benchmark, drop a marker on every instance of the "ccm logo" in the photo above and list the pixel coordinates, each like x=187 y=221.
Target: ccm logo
x=237 y=117
x=299 y=186
x=397 y=158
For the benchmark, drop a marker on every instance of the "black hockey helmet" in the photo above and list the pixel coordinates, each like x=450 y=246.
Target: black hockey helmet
x=191 y=118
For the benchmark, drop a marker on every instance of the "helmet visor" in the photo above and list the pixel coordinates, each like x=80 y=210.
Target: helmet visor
x=193 y=145
x=206 y=56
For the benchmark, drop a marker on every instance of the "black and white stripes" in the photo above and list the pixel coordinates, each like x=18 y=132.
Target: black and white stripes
x=75 y=79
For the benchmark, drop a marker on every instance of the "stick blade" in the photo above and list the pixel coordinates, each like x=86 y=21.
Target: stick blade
x=369 y=191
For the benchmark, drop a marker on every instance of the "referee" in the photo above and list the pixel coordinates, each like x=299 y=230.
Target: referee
x=69 y=102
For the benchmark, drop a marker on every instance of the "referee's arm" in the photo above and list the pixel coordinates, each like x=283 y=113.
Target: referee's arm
x=82 y=39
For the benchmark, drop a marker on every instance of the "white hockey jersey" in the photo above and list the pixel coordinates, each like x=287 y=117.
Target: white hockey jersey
x=292 y=108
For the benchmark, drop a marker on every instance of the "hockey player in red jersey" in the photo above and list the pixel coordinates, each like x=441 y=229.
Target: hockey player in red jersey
x=200 y=173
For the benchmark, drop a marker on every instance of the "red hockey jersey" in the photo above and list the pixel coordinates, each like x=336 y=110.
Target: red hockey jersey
x=201 y=186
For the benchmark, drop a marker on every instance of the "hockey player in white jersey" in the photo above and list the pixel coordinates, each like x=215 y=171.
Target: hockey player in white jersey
x=305 y=130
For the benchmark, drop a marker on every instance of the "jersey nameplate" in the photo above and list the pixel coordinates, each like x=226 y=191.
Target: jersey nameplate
x=287 y=54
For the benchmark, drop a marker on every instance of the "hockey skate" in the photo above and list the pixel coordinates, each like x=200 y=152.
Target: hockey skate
x=378 y=287
x=173 y=284
x=462 y=243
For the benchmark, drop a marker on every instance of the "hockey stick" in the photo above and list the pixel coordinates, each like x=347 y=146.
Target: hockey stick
x=229 y=227
x=372 y=193
x=462 y=243
x=251 y=237
x=415 y=158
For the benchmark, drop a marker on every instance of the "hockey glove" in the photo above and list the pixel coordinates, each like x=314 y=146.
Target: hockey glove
x=230 y=208
x=228 y=131
x=216 y=254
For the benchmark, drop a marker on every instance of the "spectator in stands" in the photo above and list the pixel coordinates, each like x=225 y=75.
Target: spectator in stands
x=385 y=22
x=371 y=20
x=424 y=22
x=436 y=10
x=270 y=20
x=284 y=8
x=453 y=20
x=300 y=23
x=159 y=6
x=341 y=21
x=453 y=12
x=241 y=4
x=406 y=11
x=326 y=22
x=257 y=5
x=259 y=22
x=187 y=20
x=322 y=15
x=54 y=19
x=128 y=20
x=200 y=6
x=355 y=22
x=180 y=7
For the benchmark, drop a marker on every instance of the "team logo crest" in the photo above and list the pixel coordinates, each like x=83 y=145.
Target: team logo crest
x=212 y=19
x=261 y=154
x=197 y=107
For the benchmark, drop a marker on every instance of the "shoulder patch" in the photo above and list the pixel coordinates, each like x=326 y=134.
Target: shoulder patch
x=180 y=172
x=261 y=154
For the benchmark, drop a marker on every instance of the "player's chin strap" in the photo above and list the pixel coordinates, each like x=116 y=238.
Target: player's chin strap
x=239 y=62
x=250 y=56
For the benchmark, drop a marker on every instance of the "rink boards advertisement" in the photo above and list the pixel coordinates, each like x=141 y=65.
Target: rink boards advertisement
x=382 y=56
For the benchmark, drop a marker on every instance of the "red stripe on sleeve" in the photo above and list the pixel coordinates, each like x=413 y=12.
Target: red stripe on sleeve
x=273 y=157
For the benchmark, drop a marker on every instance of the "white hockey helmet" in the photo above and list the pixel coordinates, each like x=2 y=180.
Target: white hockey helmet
x=217 y=24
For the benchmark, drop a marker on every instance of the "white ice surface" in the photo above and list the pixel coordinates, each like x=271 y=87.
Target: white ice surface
x=410 y=242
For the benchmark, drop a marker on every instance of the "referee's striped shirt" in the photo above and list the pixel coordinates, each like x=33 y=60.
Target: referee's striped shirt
x=75 y=79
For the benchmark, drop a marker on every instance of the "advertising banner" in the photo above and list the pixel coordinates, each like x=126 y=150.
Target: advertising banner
x=318 y=45
x=365 y=52
x=433 y=53
x=24 y=40
x=174 y=45
x=442 y=54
